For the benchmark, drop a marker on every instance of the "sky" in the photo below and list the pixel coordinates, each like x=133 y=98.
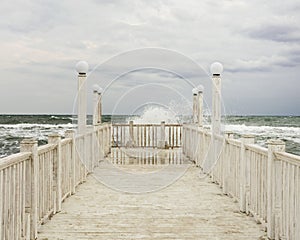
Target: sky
x=150 y=52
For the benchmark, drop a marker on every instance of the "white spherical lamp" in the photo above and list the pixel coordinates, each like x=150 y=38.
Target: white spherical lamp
x=200 y=88
x=216 y=68
x=96 y=87
x=82 y=67
x=195 y=91
x=100 y=90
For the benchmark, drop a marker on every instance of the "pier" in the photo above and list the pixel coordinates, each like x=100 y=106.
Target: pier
x=150 y=181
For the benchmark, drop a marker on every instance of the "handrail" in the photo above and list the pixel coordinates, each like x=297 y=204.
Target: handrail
x=42 y=177
x=265 y=181
x=257 y=148
x=14 y=159
x=145 y=124
x=288 y=157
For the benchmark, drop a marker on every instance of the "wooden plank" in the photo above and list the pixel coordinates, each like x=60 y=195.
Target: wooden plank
x=169 y=208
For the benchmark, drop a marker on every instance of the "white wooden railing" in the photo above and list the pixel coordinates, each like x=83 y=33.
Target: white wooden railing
x=265 y=181
x=146 y=135
x=34 y=182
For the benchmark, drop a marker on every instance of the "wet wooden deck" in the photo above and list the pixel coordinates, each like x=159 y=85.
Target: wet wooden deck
x=189 y=208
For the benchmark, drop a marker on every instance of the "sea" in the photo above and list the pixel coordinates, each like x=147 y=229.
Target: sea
x=14 y=128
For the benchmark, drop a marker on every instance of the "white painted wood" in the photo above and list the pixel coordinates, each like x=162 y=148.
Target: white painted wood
x=71 y=135
x=2 y=182
x=200 y=109
x=57 y=170
x=30 y=145
x=130 y=142
x=226 y=165
x=244 y=171
x=195 y=108
x=271 y=197
x=216 y=104
x=82 y=103
x=95 y=107
x=99 y=111
x=273 y=146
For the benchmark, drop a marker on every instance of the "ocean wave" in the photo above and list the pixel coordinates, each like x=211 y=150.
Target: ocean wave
x=285 y=133
x=12 y=134
x=35 y=125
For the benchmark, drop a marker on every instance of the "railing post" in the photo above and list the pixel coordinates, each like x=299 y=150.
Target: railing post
x=56 y=139
x=278 y=199
x=109 y=126
x=200 y=89
x=183 y=139
x=273 y=146
x=184 y=129
x=201 y=146
x=71 y=134
x=85 y=159
x=244 y=172
x=104 y=140
x=226 y=165
x=97 y=113
x=32 y=185
x=130 y=143
x=107 y=139
x=94 y=154
x=162 y=143
x=95 y=105
x=195 y=105
x=198 y=146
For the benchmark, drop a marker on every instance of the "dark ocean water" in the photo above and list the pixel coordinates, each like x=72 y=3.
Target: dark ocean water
x=13 y=128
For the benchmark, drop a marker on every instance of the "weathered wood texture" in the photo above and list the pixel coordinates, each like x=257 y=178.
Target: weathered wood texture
x=265 y=182
x=190 y=208
x=35 y=182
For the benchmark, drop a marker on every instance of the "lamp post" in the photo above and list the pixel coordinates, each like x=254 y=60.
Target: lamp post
x=97 y=113
x=82 y=68
x=216 y=69
x=195 y=105
x=200 y=89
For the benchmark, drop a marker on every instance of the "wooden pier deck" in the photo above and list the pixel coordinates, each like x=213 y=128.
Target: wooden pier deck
x=190 y=208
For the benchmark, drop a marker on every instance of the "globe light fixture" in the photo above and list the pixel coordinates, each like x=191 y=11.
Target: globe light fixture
x=82 y=67
x=216 y=68
x=195 y=91
x=100 y=90
x=200 y=88
x=96 y=87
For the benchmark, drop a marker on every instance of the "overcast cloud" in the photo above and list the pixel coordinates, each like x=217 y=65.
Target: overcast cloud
x=257 y=41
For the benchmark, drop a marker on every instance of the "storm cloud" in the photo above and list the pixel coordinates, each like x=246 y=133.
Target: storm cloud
x=257 y=42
